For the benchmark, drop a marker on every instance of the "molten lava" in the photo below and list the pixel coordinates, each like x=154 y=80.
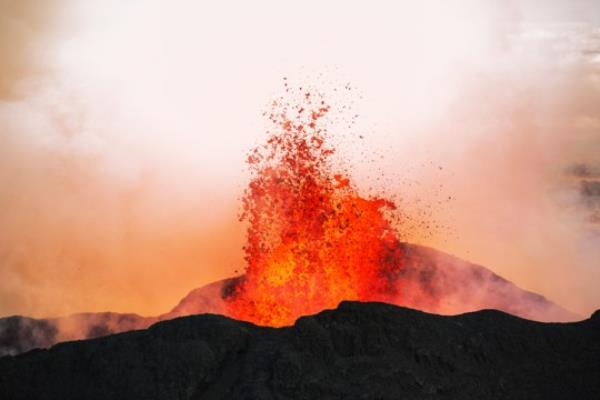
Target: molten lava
x=312 y=240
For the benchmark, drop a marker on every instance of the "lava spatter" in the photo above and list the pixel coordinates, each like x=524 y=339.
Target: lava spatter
x=312 y=240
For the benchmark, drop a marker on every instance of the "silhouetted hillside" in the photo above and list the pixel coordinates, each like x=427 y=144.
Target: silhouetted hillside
x=358 y=351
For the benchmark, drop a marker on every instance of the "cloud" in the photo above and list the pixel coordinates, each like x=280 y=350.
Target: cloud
x=122 y=139
x=583 y=170
x=26 y=27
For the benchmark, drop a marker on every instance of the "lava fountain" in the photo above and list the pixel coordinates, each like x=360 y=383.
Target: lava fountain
x=312 y=240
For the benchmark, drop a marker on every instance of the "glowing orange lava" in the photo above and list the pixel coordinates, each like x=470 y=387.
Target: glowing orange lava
x=312 y=240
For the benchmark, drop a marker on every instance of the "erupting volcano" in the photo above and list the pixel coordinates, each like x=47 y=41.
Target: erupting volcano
x=313 y=241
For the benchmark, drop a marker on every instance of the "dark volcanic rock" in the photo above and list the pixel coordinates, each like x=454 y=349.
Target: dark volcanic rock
x=19 y=334
x=358 y=351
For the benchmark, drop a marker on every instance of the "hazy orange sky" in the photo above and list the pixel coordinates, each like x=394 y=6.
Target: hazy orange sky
x=124 y=128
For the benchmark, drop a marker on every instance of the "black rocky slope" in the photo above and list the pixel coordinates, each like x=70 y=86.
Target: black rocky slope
x=19 y=334
x=358 y=351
